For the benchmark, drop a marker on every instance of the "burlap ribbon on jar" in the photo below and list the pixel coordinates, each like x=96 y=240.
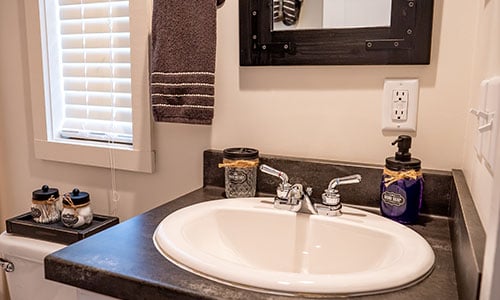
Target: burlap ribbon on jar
x=70 y=204
x=227 y=163
x=51 y=200
x=394 y=176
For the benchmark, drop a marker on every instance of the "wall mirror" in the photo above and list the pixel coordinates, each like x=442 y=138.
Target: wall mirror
x=335 y=32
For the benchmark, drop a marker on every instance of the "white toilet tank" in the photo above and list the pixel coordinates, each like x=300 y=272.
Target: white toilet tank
x=27 y=281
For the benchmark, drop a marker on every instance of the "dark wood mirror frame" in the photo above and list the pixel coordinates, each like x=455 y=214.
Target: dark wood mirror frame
x=406 y=41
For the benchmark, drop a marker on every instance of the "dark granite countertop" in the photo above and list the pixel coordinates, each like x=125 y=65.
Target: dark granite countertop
x=123 y=262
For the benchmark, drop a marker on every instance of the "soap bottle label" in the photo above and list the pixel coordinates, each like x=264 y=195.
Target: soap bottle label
x=394 y=201
x=401 y=200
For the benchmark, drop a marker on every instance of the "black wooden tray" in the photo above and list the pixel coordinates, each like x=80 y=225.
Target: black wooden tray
x=56 y=232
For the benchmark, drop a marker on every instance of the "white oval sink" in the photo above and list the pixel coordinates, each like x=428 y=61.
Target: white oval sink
x=248 y=243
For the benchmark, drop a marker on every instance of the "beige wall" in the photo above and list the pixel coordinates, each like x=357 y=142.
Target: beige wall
x=334 y=112
x=3 y=286
x=2 y=163
x=486 y=64
x=3 y=34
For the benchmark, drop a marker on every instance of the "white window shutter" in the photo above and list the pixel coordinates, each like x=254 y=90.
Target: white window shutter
x=95 y=83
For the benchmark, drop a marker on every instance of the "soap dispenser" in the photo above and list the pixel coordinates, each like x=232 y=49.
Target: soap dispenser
x=402 y=184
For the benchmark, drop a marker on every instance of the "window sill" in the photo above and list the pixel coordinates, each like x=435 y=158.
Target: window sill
x=123 y=157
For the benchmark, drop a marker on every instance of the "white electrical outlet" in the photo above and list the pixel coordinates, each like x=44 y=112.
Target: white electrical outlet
x=400 y=104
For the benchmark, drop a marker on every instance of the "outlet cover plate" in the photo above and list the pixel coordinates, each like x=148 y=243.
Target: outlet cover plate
x=489 y=137
x=391 y=86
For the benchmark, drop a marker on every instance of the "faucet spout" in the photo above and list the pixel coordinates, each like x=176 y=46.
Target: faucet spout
x=307 y=207
x=344 y=180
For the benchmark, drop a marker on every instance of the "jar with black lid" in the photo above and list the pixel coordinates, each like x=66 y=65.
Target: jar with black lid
x=77 y=211
x=240 y=171
x=402 y=186
x=45 y=205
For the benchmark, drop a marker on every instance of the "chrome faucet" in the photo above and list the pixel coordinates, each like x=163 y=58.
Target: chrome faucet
x=294 y=198
x=290 y=197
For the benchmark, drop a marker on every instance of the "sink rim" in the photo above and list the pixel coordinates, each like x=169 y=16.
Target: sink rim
x=331 y=284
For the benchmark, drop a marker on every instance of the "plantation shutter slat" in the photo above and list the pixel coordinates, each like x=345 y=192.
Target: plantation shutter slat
x=95 y=56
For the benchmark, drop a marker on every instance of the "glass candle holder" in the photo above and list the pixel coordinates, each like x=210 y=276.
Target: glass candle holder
x=240 y=171
x=77 y=211
x=45 y=205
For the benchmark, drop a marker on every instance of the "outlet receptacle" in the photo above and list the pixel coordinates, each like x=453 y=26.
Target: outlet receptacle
x=400 y=104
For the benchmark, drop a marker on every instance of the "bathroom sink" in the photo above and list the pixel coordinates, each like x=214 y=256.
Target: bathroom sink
x=248 y=243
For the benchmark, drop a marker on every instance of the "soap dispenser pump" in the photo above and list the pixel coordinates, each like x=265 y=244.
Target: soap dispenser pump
x=402 y=184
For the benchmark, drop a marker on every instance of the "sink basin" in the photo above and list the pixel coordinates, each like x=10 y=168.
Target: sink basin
x=248 y=243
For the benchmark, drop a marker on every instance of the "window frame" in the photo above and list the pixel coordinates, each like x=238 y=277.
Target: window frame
x=136 y=157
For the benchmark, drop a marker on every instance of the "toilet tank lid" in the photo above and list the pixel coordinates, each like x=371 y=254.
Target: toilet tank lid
x=26 y=248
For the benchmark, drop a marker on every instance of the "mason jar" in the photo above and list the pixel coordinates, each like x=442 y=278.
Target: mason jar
x=240 y=171
x=45 y=205
x=77 y=211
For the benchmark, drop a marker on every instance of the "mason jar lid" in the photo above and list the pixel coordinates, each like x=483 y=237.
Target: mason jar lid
x=78 y=197
x=240 y=153
x=45 y=193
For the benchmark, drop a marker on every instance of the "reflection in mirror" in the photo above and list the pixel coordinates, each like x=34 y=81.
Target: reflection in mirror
x=335 y=14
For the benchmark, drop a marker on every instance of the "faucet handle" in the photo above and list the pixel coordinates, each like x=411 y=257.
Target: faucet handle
x=331 y=196
x=272 y=171
x=284 y=187
x=356 y=178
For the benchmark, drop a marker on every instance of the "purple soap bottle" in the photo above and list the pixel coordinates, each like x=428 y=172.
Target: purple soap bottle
x=402 y=184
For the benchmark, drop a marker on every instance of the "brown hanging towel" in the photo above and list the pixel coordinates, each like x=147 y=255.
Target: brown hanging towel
x=183 y=61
